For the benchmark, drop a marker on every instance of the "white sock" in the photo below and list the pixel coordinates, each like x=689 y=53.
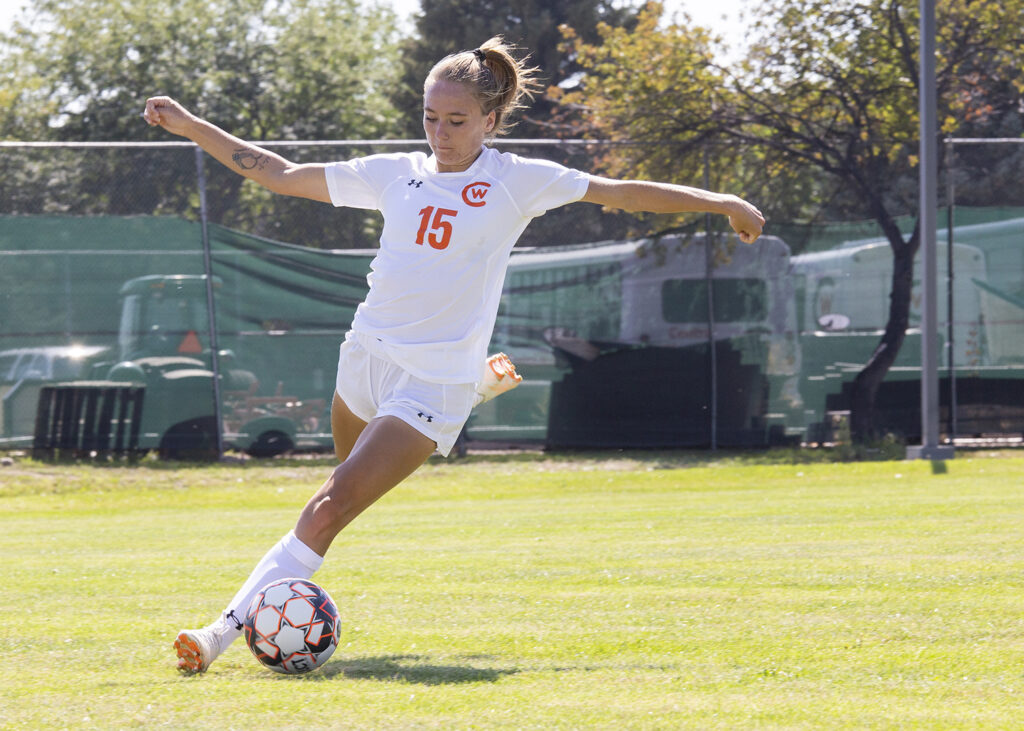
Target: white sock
x=289 y=558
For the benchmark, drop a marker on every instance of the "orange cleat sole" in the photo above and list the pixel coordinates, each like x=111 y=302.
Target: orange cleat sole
x=190 y=660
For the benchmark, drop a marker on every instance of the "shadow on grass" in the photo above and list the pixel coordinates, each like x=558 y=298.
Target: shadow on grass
x=410 y=669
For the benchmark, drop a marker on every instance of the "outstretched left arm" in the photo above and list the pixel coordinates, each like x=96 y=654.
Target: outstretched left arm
x=638 y=195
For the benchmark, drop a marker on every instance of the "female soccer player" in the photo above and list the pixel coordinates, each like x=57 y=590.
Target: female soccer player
x=409 y=368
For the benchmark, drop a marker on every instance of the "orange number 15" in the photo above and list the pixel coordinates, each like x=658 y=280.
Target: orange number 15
x=439 y=224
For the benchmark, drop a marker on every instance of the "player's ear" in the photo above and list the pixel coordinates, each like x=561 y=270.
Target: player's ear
x=491 y=119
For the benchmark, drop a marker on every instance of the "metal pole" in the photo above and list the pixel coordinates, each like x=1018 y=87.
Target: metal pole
x=950 y=274
x=210 y=311
x=709 y=276
x=930 y=448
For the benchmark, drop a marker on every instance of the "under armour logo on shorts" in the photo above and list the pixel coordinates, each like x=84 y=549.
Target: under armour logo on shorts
x=415 y=182
x=424 y=416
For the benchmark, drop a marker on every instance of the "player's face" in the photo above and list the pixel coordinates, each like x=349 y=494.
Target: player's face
x=455 y=125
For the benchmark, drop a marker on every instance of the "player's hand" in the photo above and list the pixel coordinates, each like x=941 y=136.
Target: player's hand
x=746 y=221
x=164 y=112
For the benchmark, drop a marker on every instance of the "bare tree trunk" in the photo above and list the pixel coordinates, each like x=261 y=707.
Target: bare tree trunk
x=863 y=424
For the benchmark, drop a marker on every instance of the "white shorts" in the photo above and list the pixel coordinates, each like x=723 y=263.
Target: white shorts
x=372 y=385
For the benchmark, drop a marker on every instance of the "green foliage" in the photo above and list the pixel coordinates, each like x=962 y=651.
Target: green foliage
x=81 y=70
x=291 y=69
x=449 y=26
x=536 y=591
x=632 y=71
x=833 y=87
x=650 y=87
x=821 y=116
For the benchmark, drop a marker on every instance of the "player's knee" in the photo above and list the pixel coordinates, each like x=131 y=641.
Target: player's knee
x=334 y=506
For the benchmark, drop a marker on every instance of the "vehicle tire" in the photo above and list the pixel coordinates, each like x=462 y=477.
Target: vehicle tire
x=271 y=444
x=195 y=439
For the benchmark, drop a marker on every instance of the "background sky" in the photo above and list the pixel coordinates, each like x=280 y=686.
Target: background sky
x=719 y=15
x=703 y=12
x=8 y=8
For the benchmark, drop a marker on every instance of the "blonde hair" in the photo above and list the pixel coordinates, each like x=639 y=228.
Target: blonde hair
x=496 y=79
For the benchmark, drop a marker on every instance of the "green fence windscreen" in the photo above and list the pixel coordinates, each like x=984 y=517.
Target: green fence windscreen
x=624 y=338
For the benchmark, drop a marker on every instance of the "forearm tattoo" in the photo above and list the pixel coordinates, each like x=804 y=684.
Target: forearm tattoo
x=247 y=159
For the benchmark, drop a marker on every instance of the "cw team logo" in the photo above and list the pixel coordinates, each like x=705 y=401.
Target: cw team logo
x=474 y=194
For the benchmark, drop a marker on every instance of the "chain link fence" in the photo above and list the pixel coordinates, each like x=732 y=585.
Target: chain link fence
x=153 y=266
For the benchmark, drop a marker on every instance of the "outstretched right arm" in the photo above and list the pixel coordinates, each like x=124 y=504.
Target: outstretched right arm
x=266 y=168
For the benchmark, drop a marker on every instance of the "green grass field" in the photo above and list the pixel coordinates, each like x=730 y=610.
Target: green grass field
x=532 y=591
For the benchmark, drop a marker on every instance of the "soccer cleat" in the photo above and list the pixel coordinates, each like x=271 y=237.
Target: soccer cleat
x=499 y=376
x=198 y=648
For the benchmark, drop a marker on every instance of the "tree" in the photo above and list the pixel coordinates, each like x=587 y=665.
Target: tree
x=650 y=89
x=448 y=26
x=834 y=87
x=259 y=68
x=827 y=100
x=80 y=70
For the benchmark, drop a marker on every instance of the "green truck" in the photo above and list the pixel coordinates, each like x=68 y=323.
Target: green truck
x=163 y=345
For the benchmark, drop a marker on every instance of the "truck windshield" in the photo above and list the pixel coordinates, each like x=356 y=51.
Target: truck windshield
x=156 y=324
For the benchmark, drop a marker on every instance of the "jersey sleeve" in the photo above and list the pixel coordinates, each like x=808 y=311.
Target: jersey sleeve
x=359 y=183
x=540 y=185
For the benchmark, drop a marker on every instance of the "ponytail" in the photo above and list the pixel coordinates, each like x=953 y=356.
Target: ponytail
x=497 y=80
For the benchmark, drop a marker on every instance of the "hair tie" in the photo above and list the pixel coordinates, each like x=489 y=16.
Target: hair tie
x=481 y=54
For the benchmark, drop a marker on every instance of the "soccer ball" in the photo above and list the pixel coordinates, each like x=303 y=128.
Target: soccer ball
x=292 y=626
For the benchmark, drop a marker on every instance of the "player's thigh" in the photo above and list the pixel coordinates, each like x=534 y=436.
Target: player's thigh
x=345 y=427
x=385 y=453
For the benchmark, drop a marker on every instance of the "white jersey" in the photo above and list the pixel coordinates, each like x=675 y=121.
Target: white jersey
x=436 y=282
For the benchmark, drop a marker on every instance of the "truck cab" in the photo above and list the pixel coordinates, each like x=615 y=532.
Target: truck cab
x=164 y=343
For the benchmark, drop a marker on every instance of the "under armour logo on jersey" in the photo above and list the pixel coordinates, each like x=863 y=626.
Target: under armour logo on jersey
x=424 y=416
x=474 y=193
x=417 y=183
